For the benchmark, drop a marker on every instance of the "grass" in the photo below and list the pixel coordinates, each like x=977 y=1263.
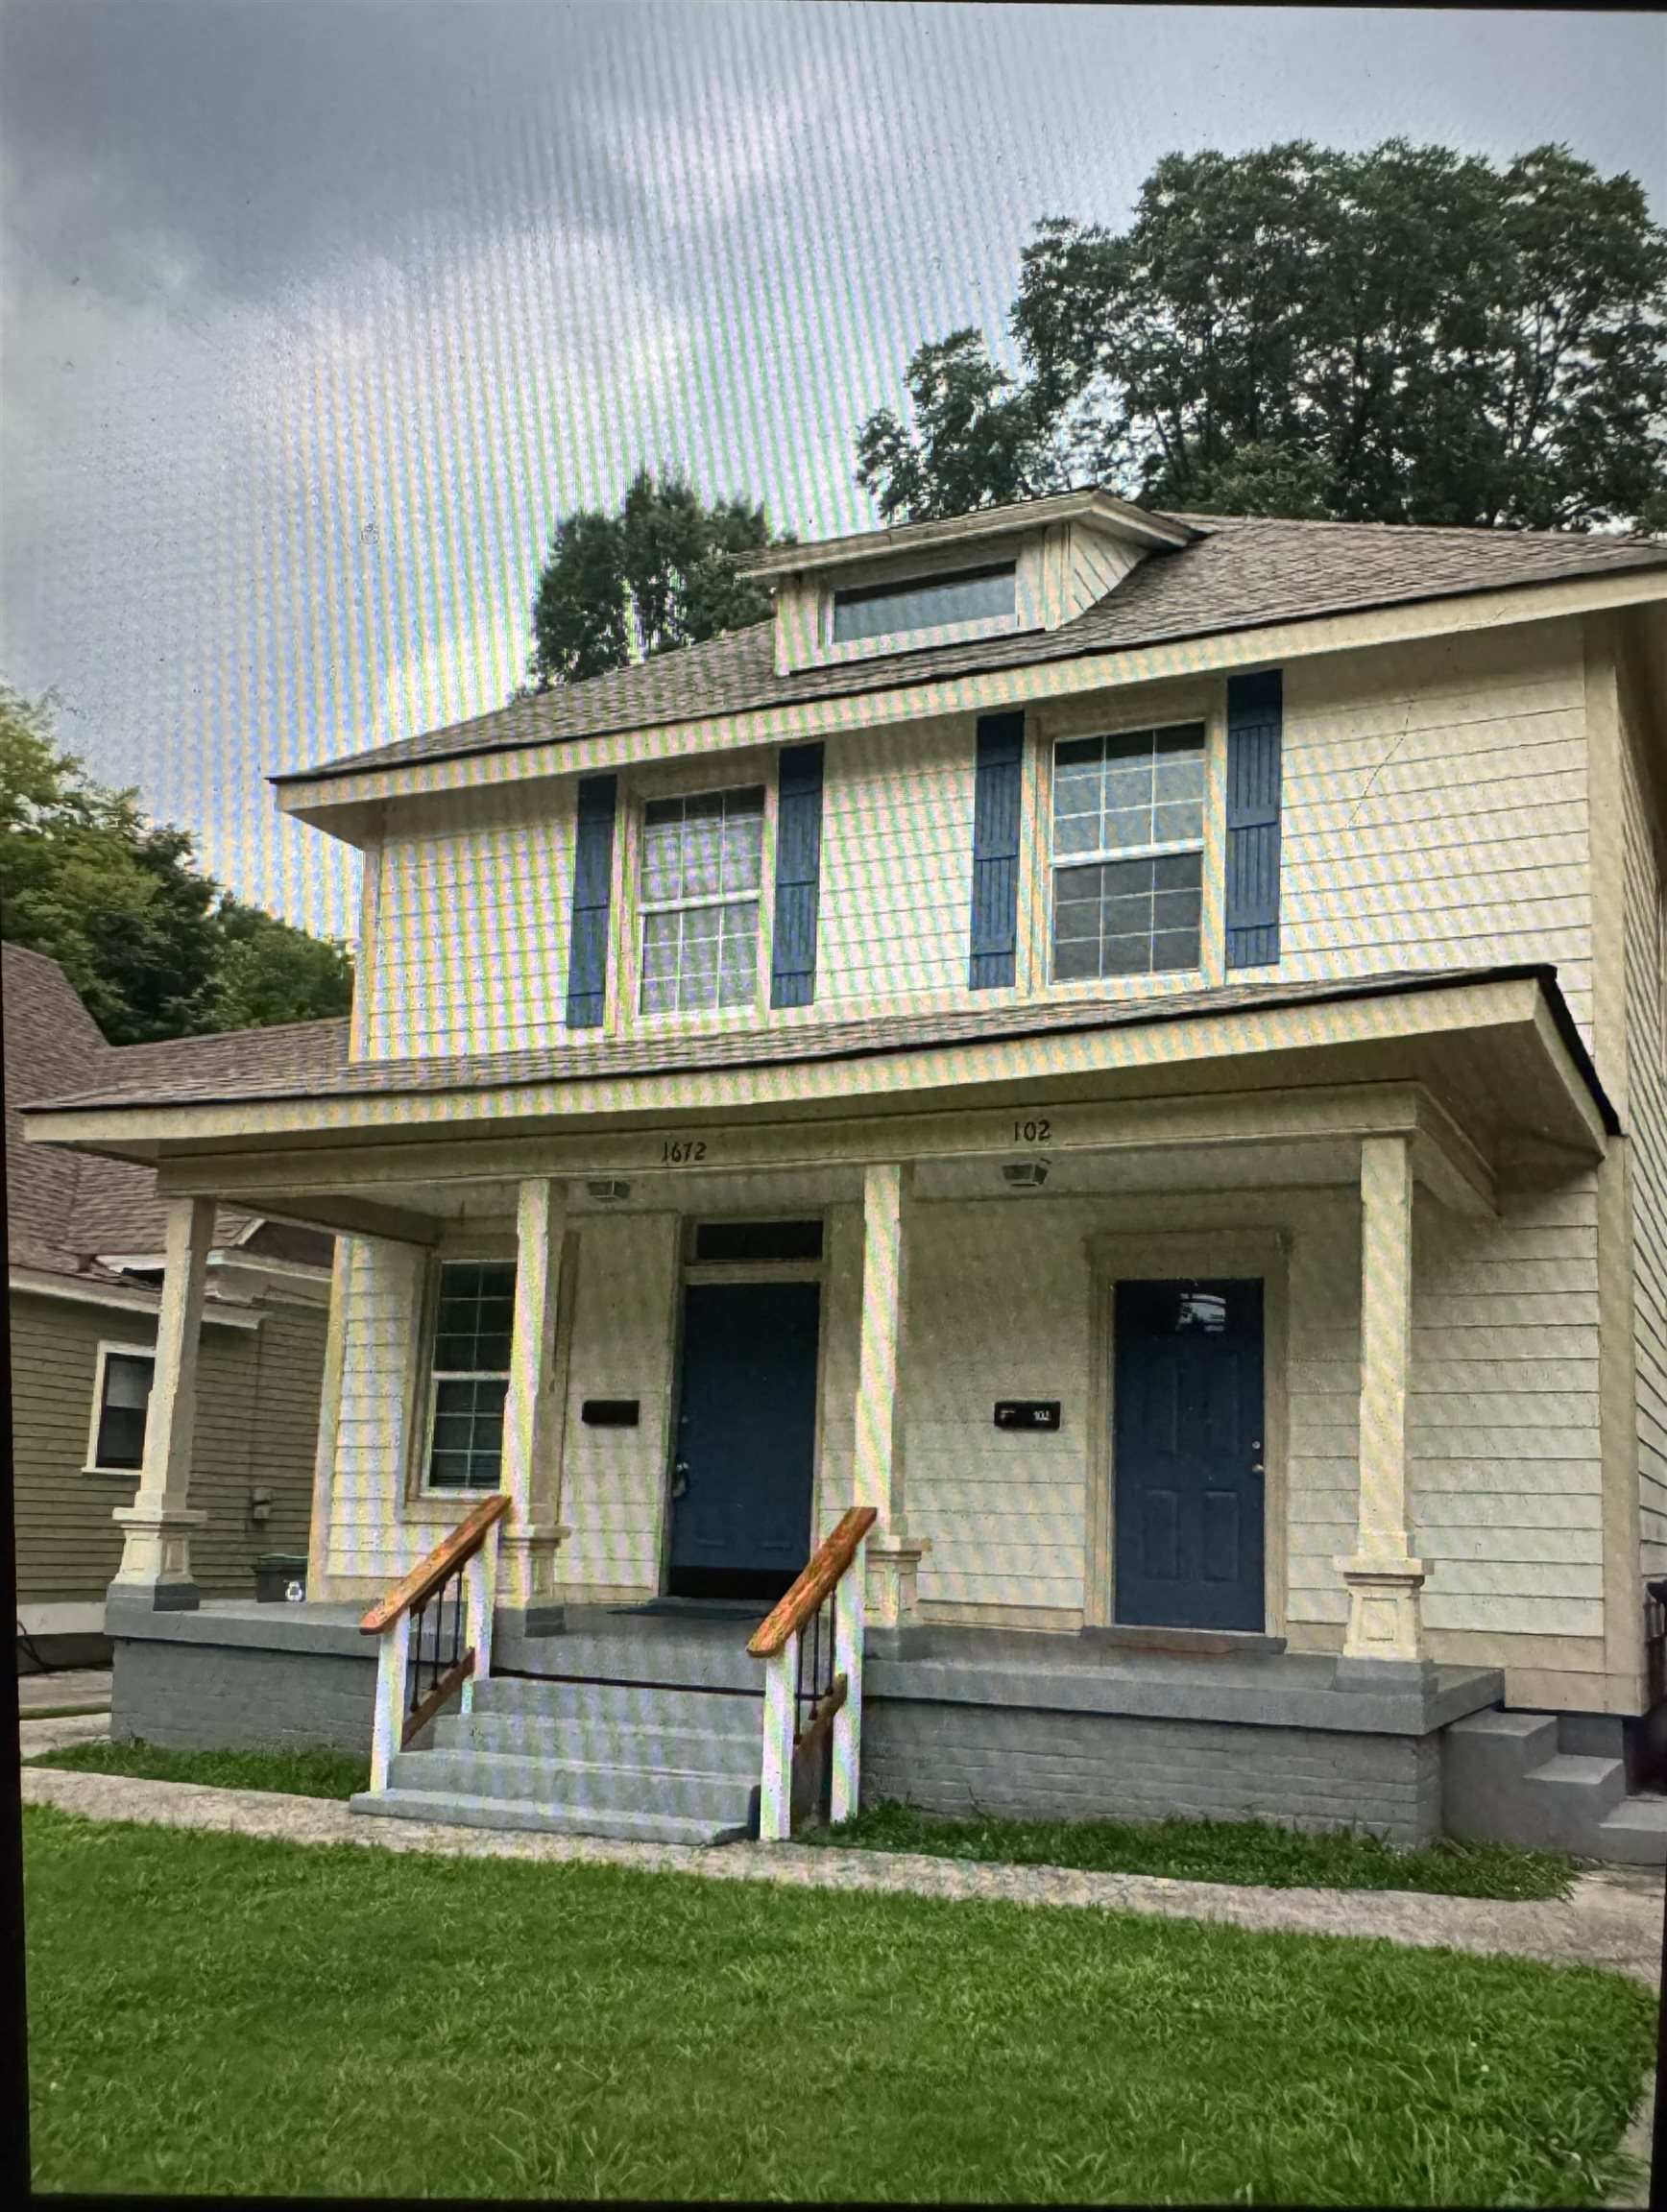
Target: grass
x=310 y=1772
x=1254 y=1851
x=224 y=2014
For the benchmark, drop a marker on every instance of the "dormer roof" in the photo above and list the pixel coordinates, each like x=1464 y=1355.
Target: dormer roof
x=1085 y=503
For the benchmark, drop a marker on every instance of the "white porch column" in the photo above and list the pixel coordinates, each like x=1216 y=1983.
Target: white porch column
x=893 y=1556
x=1382 y=1577
x=532 y=1414
x=156 y=1568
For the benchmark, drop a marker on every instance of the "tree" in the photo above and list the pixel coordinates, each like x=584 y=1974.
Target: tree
x=1405 y=335
x=155 y=947
x=658 y=573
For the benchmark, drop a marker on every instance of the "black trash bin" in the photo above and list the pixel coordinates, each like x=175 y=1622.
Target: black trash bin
x=280 y=1576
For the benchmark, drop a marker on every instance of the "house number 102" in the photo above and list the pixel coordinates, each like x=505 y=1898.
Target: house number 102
x=1032 y=1132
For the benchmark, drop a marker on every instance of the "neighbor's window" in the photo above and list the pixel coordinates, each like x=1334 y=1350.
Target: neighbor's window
x=124 y=1397
x=1128 y=852
x=699 y=897
x=470 y=1373
x=924 y=603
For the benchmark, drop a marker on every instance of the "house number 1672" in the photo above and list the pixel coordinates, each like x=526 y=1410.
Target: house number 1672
x=682 y=1151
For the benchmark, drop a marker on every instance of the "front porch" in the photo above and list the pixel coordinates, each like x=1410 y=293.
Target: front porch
x=1273 y=1323
x=961 y=1721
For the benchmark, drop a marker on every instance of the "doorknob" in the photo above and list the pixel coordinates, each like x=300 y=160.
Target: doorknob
x=679 y=1477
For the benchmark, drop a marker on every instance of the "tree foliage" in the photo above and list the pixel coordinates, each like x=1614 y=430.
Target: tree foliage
x=1404 y=335
x=155 y=948
x=658 y=573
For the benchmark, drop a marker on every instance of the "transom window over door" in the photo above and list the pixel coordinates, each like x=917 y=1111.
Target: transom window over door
x=472 y=1326
x=699 y=898
x=1128 y=852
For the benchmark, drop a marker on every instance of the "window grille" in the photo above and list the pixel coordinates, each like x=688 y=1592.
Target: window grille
x=1128 y=849
x=699 y=898
x=472 y=1327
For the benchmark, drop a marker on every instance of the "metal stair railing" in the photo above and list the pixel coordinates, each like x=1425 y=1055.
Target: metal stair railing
x=466 y=1564
x=814 y=1682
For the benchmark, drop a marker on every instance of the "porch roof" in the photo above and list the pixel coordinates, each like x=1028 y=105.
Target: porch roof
x=1475 y=1059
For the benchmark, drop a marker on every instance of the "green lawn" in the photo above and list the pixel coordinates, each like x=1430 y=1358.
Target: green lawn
x=1213 y=1851
x=312 y=1771
x=226 y=2014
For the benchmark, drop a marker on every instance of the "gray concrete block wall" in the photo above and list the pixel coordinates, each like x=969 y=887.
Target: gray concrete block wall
x=1018 y=1763
x=201 y=1697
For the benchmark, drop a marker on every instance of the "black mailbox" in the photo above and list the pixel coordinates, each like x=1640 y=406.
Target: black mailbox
x=609 y=1412
x=1027 y=1412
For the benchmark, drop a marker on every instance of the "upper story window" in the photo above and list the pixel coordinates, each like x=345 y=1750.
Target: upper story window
x=119 y=1415
x=699 y=900
x=1128 y=852
x=924 y=603
x=473 y=1323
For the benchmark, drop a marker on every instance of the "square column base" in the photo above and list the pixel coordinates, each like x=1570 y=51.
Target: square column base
x=893 y=1570
x=1384 y=1620
x=156 y=1568
x=528 y=1570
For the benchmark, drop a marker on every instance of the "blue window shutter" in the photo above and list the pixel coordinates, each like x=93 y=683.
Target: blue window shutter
x=1255 y=723
x=798 y=875
x=593 y=893
x=997 y=799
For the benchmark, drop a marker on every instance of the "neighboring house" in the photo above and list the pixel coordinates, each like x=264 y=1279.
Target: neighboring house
x=1128 y=1043
x=86 y=1253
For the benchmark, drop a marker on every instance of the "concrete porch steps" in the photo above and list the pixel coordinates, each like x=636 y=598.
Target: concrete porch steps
x=586 y=1758
x=1533 y=1776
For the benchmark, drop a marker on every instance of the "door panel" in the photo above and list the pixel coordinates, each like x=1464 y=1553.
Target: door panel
x=746 y=1439
x=1189 y=1487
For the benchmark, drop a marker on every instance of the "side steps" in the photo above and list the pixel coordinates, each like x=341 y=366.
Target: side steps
x=1556 y=1782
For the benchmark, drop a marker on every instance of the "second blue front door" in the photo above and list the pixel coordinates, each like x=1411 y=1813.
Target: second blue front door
x=744 y=1465
x=1189 y=1495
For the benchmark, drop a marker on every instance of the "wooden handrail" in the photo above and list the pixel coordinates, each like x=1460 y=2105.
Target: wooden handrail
x=828 y=1563
x=443 y=1562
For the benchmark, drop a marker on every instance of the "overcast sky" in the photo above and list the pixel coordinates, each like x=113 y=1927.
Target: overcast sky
x=316 y=313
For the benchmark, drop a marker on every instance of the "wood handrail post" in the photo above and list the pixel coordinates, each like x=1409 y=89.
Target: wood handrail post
x=393 y=1665
x=775 y=1785
x=850 y=1605
x=480 y=1585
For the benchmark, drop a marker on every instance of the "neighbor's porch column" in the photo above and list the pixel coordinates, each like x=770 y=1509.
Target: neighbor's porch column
x=532 y=1412
x=1382 y=1577
x=893 y=1556
x=156 y=1567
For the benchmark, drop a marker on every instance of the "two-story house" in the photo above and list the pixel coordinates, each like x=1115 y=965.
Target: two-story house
x=1129 y=1045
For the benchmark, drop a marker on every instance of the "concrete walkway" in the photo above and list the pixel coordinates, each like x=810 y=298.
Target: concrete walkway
x=1613 y=1920
x=65 y=1690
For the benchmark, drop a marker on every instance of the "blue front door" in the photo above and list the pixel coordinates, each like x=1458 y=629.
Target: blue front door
x=1188 y=1458
x=747 y=1440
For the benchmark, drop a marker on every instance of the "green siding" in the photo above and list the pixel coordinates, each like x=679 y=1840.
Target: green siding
x=258 y=1406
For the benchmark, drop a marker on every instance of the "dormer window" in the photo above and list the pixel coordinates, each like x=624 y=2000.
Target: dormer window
x=987 y=594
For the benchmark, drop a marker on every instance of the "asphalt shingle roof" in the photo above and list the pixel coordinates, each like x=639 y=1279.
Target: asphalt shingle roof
x=314 y=1064
x=1242 y=572
x=62 y=1208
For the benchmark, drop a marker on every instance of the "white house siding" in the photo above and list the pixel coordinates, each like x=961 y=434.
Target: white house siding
x=1647 y=1122
x=370 y=1540
x=1435 y=808
x=472 y=924
x=1502 y=1416
x=622 y=1346
x=896 y=864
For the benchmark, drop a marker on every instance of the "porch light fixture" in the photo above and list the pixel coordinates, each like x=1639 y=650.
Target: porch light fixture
x=1025 y=1174
x=608 y=1189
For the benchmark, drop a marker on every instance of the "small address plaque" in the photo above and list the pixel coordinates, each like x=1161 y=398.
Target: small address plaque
x=1027 y=1412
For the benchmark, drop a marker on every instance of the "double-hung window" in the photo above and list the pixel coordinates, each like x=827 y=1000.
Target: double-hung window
x=470 y=1374
x=698 y=895
x=124 y=1400
x=1128 y=852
